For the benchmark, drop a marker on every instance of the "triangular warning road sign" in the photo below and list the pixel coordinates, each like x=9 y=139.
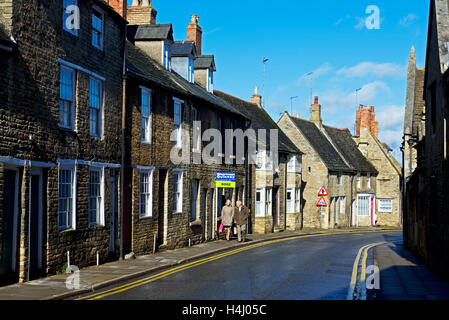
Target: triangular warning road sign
x=321 y=202
x=323 y=192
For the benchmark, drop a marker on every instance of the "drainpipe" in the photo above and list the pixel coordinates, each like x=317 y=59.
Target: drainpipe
x=122 y=165
x=29 y=209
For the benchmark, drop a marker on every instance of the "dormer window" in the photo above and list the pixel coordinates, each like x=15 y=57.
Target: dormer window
x=166 y=56
x=210 y=81
x=191 y=71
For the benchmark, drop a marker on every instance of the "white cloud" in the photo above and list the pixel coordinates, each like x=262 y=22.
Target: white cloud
x=408 y=20
x=335 y=101
x=390 y=117
x=321 y=71
x=379 y=70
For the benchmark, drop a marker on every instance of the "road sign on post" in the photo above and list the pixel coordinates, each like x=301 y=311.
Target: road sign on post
x=322 y=202
x=323 y=192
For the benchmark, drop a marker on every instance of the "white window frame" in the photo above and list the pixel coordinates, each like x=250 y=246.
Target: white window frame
x=70 y=223
x=145 y=129
x=65 y=4
x=260 y=205
x=358 y=206
x=101 y=32
x=382 y=207
x=210 y=80
x=191 y=76
x=298 y=199
x=72 y=109
x=342 y=205
x=177 y=126
x=368 y=181
x=180 y=183
x=291 y=203
x=148 y=194
x=268 y=202
x=99 y=123
x=166 y=55
x=99 y=215
x=263 y=161
x=359 y=181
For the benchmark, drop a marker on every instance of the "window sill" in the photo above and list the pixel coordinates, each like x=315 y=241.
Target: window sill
x=145 y=142
x=98 y=48
x=145 y=217
x=66 y=129
x=177 y=213
x=96 y=226
x=196 y=223
x=66 y=230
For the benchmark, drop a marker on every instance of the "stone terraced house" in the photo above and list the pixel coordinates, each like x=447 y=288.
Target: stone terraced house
x=170 y=205
x=60 y=121
x=331 y=159
x=275 y=194
x=426 y=214
x=388 y=208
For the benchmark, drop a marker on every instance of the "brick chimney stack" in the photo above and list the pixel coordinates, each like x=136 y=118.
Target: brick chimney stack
x=366 y=118
x=195 y=33
x=141 y=12
x=120 y=6
x=256 y=98
x=315 y=114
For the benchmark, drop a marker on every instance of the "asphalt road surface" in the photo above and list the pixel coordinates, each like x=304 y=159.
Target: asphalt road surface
x=315 y=268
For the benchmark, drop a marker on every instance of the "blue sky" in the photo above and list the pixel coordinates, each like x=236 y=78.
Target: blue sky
x=327 y=37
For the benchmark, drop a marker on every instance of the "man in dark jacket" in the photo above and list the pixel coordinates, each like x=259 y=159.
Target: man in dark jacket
x=241 y=220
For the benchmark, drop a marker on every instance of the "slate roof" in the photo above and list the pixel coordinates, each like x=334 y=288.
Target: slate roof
x=347 y=147
x=205 y=62
x=150 y=32
x=322 y=146
x=183 y=49
x=260 y=119
x=141 y=65
x=418 y=107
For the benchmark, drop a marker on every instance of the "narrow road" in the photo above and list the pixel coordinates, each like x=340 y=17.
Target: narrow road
x=314 y=268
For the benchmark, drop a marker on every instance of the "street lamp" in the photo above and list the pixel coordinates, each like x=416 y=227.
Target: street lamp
x=411 y=142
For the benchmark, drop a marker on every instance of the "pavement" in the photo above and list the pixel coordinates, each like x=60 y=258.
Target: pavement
x=97 y=277
x=404 y=277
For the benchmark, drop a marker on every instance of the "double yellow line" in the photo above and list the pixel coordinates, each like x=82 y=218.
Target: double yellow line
x=355 y=268
x=194 y=264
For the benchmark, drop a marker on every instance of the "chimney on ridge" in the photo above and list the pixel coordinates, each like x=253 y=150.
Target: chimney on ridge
x=120 y=6
x=366 y=118
x=315 y=114
x=256 y=98
x=141 y=12
x=195 y=33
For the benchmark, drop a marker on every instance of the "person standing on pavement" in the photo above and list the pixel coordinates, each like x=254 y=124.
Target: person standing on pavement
x=227 y=217
x=241 y=214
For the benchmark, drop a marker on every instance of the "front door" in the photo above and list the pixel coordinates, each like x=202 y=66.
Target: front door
x=275 y=207
x=211 y=213
x=163 y=208
x=8 y=258
x=203 y=214
x=113 y=200
x=193 y=200
x=36 y=226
